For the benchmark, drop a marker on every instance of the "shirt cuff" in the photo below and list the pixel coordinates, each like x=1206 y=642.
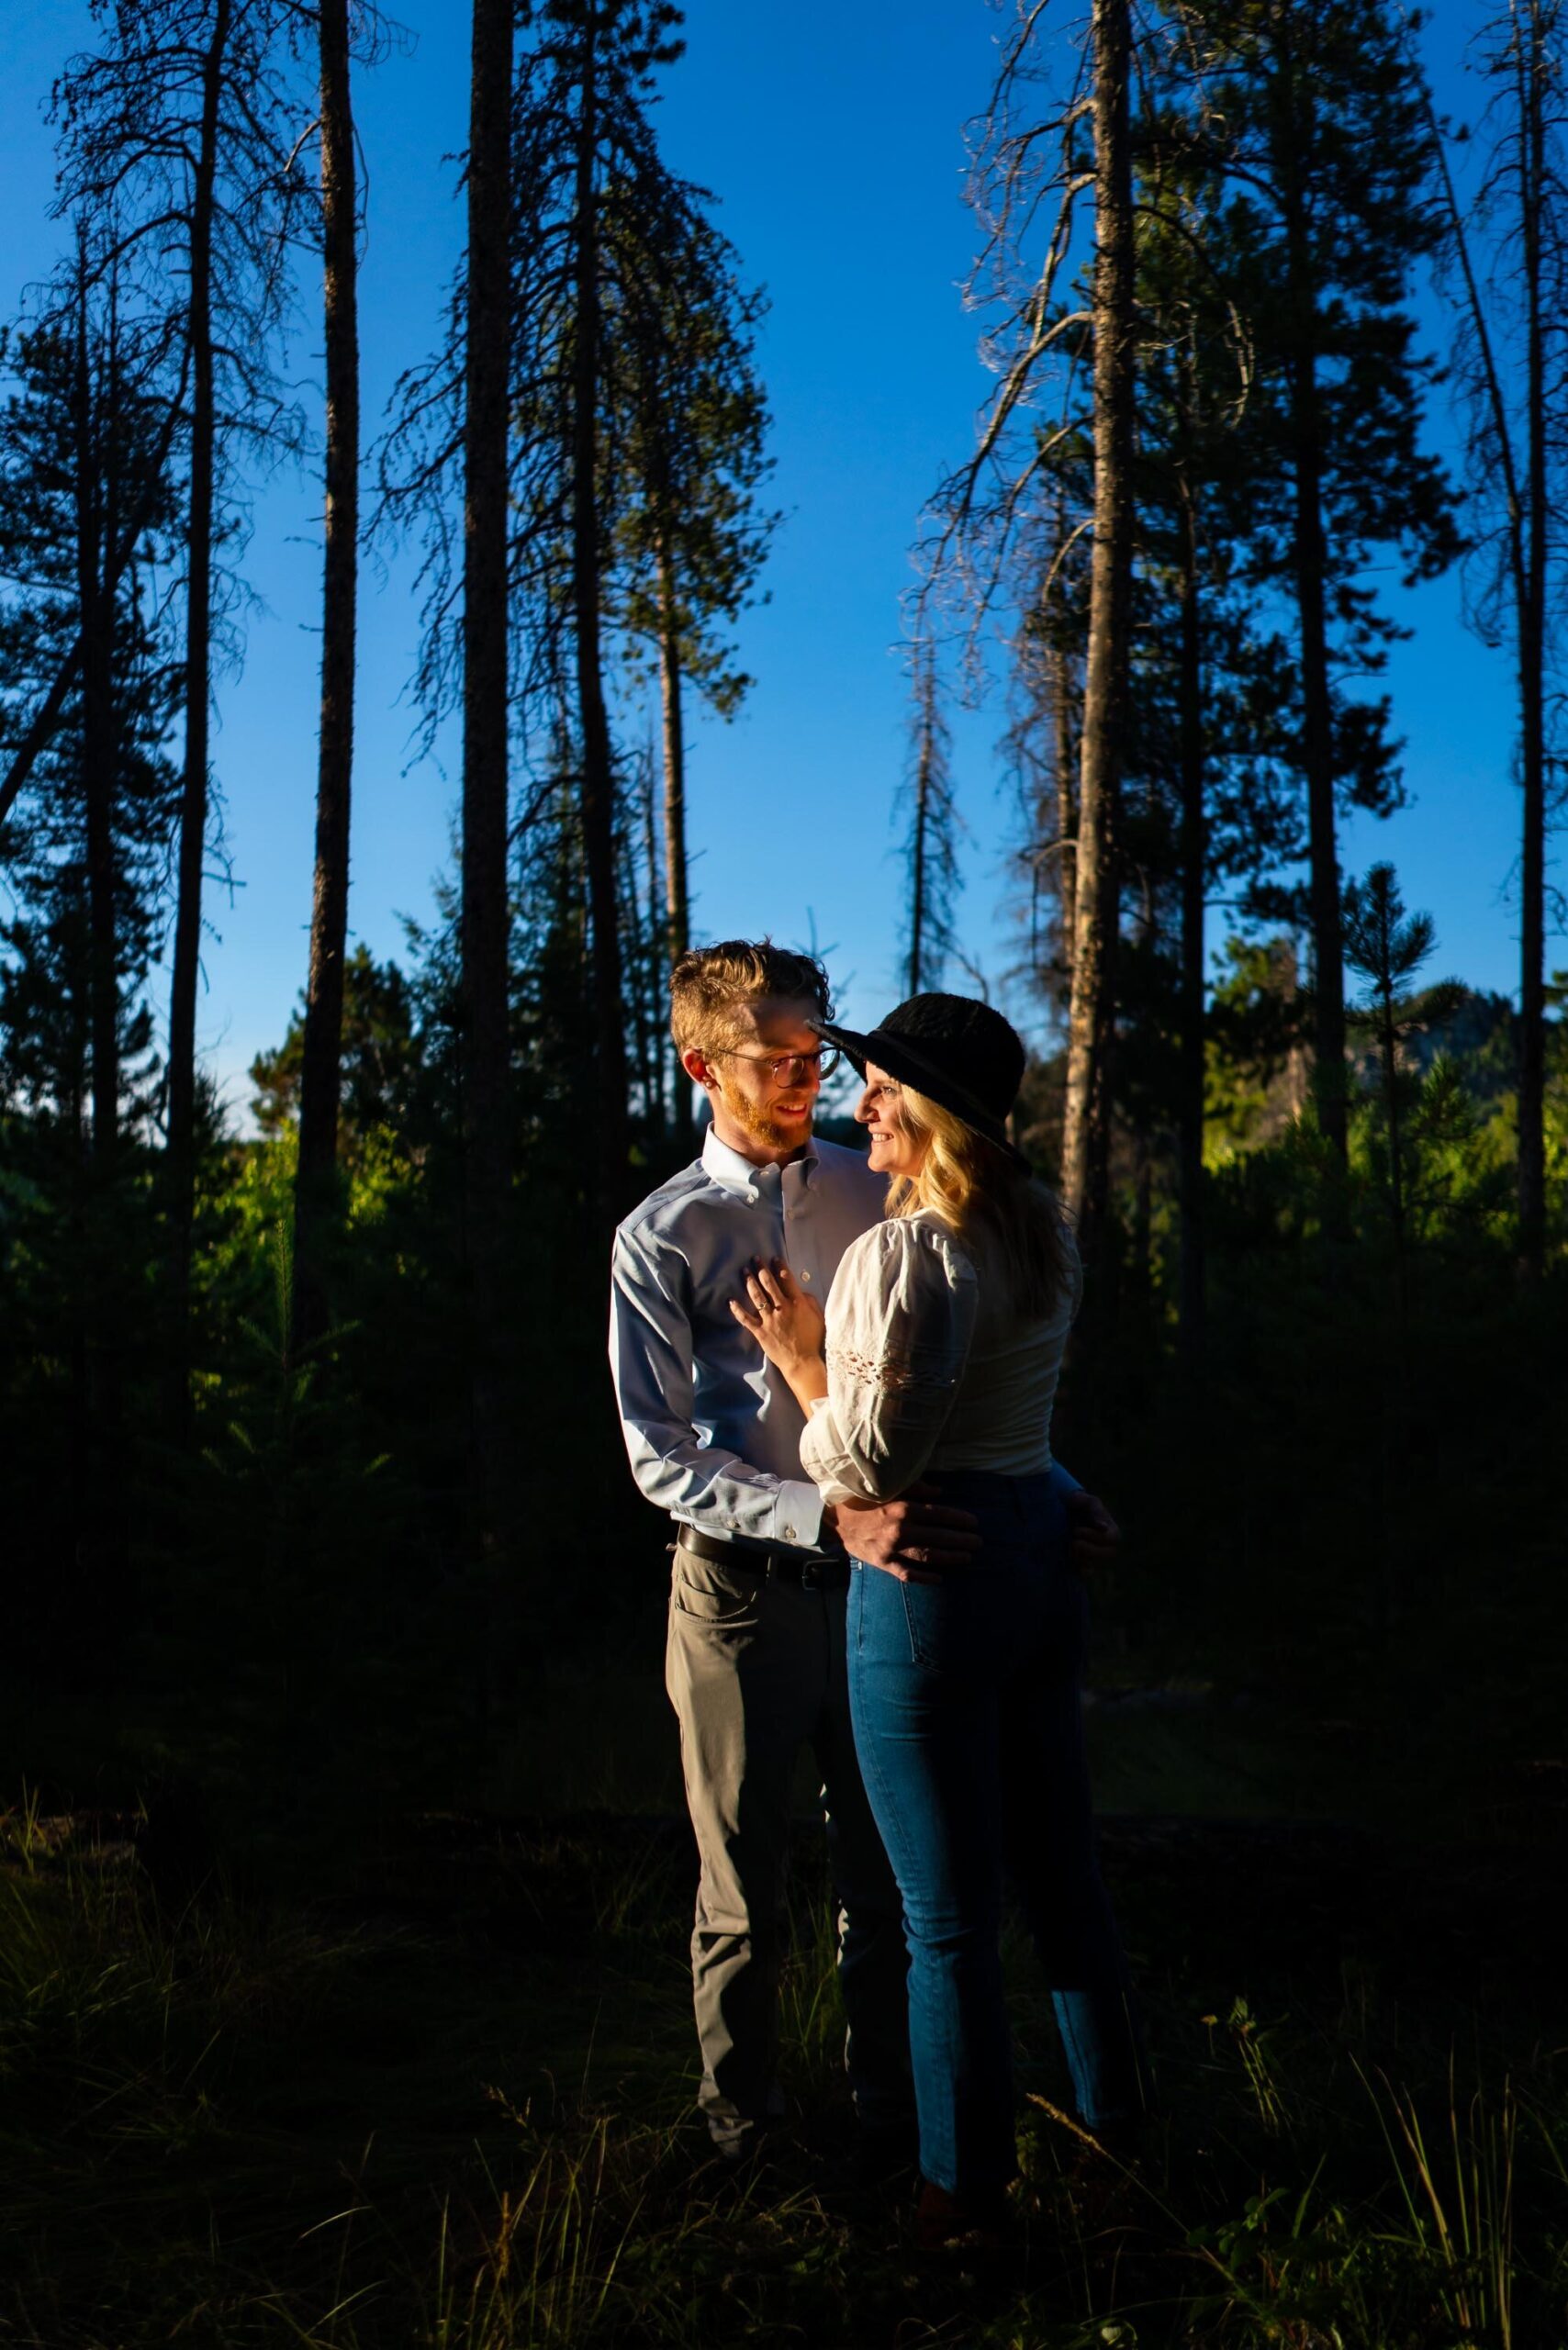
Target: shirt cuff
x=798 y=1515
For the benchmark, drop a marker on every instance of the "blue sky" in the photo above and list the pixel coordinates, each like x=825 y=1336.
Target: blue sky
x=834 y=139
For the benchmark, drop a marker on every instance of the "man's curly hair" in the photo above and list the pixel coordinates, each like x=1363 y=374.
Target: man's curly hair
x=709 y=983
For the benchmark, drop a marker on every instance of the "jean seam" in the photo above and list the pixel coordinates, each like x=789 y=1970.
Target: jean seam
x=919 y=1657
x=872 y=1771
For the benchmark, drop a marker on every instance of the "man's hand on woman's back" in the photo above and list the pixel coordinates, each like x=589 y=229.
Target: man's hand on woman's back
x=917 y=1538
x=1096 y=1539
x=913 y=1537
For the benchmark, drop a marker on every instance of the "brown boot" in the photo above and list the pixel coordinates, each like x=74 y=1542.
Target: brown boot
x=959 y=2224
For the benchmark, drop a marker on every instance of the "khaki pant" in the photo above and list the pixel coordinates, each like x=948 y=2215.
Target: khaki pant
x=755 y=1671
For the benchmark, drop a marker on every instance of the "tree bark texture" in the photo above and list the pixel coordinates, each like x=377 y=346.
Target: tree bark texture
x=919 y=857
x=1086 y=1142
x=1066 y=756
x=186 y=974
x=677 y=903
x=316 y=1187
x=485 y=1123
x=593 y=724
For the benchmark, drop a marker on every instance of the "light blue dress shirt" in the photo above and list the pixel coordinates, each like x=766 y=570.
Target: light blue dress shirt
x=712 y=1432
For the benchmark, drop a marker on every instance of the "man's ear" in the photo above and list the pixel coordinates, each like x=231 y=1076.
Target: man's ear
x=697 y=1068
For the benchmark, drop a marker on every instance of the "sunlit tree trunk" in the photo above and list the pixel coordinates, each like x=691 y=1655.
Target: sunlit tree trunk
x=920 y=846
x=1066 y=756
x=1086 y=1146
x=316 y=1192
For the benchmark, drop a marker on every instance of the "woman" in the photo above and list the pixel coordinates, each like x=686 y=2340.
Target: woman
x=938 y=1362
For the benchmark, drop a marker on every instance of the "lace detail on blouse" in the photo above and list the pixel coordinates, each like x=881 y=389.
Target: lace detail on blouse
x=899 y=1319
x=898 y=1371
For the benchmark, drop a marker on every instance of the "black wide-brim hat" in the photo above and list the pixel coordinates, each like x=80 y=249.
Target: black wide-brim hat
x=953 y=1048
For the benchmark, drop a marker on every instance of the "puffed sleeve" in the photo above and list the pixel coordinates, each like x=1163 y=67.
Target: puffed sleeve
x=901 y=1317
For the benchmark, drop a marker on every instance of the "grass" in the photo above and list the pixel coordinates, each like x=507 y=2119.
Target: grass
x=444 y=2100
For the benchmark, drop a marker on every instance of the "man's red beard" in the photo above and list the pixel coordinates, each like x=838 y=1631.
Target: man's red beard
x=756 y=1121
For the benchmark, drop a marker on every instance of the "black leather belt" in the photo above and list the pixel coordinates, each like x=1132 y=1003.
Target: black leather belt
x=768 y=1562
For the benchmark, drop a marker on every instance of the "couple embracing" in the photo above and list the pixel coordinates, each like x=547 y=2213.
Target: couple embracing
x=835 y=1372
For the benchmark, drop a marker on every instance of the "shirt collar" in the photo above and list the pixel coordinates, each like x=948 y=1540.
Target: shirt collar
x=733 y=1173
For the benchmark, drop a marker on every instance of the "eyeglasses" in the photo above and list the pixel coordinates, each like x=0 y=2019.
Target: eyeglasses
x=787 y=1069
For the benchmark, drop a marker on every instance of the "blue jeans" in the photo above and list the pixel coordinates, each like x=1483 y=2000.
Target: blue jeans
x=965 y=1700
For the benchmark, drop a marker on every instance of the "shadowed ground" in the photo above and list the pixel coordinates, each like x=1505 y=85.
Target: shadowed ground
x=444 y=2098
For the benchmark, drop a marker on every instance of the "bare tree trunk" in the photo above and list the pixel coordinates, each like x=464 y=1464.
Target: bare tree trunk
x=678 y=902
x=187 y=975
x=1192 y=1272
x=316 y=1187
x=1086 y=1142
x=598 y=773
x=1531 y=73
x=1067 y=752
x=919 y=858
x=485 y=733
x=1066 y=755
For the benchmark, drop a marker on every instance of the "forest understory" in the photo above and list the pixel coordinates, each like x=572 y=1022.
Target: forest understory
x=445 y=2097
x=365 y=2028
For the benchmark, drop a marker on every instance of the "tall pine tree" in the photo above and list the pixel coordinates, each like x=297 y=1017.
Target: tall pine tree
x=1310 y=115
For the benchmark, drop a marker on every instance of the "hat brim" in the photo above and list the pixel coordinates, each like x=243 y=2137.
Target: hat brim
x=909 y=1064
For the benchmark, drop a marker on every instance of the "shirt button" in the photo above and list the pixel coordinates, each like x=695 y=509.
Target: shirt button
x=788 y=1534
x=805 y=1276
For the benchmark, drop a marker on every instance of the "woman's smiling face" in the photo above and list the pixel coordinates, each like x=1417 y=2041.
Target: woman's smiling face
x=893 y=1150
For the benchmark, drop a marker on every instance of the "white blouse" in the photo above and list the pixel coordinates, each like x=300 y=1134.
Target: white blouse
x=928 y=1367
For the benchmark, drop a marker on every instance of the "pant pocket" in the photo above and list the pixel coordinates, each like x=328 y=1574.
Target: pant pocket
x=711 y=1594
x=964 y=1623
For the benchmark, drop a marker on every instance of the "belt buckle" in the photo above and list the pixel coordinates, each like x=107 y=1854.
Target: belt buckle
x=812 y=1571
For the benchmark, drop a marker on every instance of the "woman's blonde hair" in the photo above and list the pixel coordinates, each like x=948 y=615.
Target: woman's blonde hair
x=966 y=1182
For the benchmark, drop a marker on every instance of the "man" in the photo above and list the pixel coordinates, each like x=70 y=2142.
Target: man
x=754 y=1662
